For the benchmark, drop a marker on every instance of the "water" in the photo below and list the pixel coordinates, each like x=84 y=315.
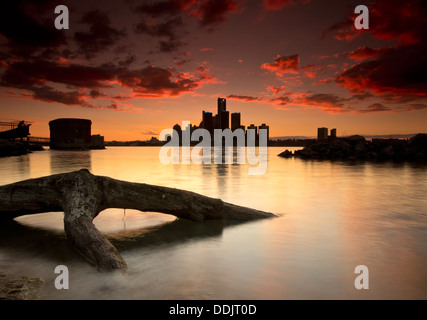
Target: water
x=332 y=216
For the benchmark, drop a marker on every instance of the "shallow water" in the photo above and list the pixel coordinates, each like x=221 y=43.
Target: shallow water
x=332 y=216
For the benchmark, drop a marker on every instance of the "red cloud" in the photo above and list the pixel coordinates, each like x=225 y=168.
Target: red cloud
x=324 y=101
x=400 y=71
x=290 y=65
x=376 y=107
x=363 y=53
x=209 y=12
x=213 y=12
x=42 y=77
x=389 y=20
x=279 y=4
x=245 y=98
x=283 y=64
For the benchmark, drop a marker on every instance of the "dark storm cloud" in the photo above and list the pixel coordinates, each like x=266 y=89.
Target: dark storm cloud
x=400 y=71
x=169 y=30
x=162 y=8
x=166 y=28
x=395 y=74
x=28 y=28
x=39 y=76
x=164 y=19
x=100 y=36
x=388 y=20
x=279 y=4
x=213 y=12
x=209 y=11
x=155 y=81
x=22 y=74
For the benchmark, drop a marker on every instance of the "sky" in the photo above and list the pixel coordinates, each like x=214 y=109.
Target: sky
x=138 y=67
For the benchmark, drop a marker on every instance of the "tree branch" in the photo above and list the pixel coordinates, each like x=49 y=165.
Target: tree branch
x=82 y=196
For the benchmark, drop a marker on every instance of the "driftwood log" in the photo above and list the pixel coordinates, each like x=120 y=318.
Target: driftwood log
x=82 y=196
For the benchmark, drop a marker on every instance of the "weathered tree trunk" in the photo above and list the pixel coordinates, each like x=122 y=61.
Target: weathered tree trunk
x=82 y=196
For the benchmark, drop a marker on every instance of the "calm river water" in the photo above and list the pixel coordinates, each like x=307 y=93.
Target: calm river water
x=332 y=217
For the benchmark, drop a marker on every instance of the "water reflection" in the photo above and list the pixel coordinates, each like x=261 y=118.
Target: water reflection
x=35 y=242
x=25 y=237
x=337 y=215
x=13 y=169
x=66 y=161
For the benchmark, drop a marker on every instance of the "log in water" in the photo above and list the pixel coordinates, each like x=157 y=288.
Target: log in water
x=82 y=196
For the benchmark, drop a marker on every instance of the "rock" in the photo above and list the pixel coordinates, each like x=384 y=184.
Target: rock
x=16 y=148
x=387 y=152
x=286 y=154
x=357 y=148
x=355 y=139
x=19 y=287
x=306 y=153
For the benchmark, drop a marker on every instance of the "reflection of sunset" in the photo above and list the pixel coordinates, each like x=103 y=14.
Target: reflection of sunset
x=332 y=216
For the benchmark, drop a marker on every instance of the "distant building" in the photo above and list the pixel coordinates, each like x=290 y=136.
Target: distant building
x=333 y=133
x=235 y=121
x=252 y=127
x=216 y=122
x=322 y=133
x=222 y=121
x=177 y=130
x=208 y=123
x=154 y=141
x=222 y=105
x=225 y=119
x=70 y=133
x=264 y=126
x=97 y=142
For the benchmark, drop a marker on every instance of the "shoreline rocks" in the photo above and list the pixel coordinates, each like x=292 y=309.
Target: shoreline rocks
x=19 y=287
x=17 y=148
x=358 y=148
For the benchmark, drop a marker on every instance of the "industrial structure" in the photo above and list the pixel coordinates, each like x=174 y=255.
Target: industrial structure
x=323 y=134
x=69 y=133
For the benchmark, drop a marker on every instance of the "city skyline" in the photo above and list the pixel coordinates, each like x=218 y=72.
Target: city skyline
x=136 y=67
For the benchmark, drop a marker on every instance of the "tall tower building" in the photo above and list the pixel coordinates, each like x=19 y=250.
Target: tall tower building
x=208 y=122
x=252 y=127
x=222 y=105
x=264 y=126
x=235 y=121
x=216 y=122
x=225 y=119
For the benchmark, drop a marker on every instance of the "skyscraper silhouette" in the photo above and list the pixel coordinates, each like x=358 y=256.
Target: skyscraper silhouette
x=235 y=121
x=225 y=119
x=208 y=122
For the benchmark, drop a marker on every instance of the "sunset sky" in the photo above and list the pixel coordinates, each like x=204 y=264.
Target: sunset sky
x=137 y=67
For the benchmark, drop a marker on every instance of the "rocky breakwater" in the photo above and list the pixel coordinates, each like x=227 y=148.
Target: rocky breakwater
x=15 y=148
x=358 y=148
